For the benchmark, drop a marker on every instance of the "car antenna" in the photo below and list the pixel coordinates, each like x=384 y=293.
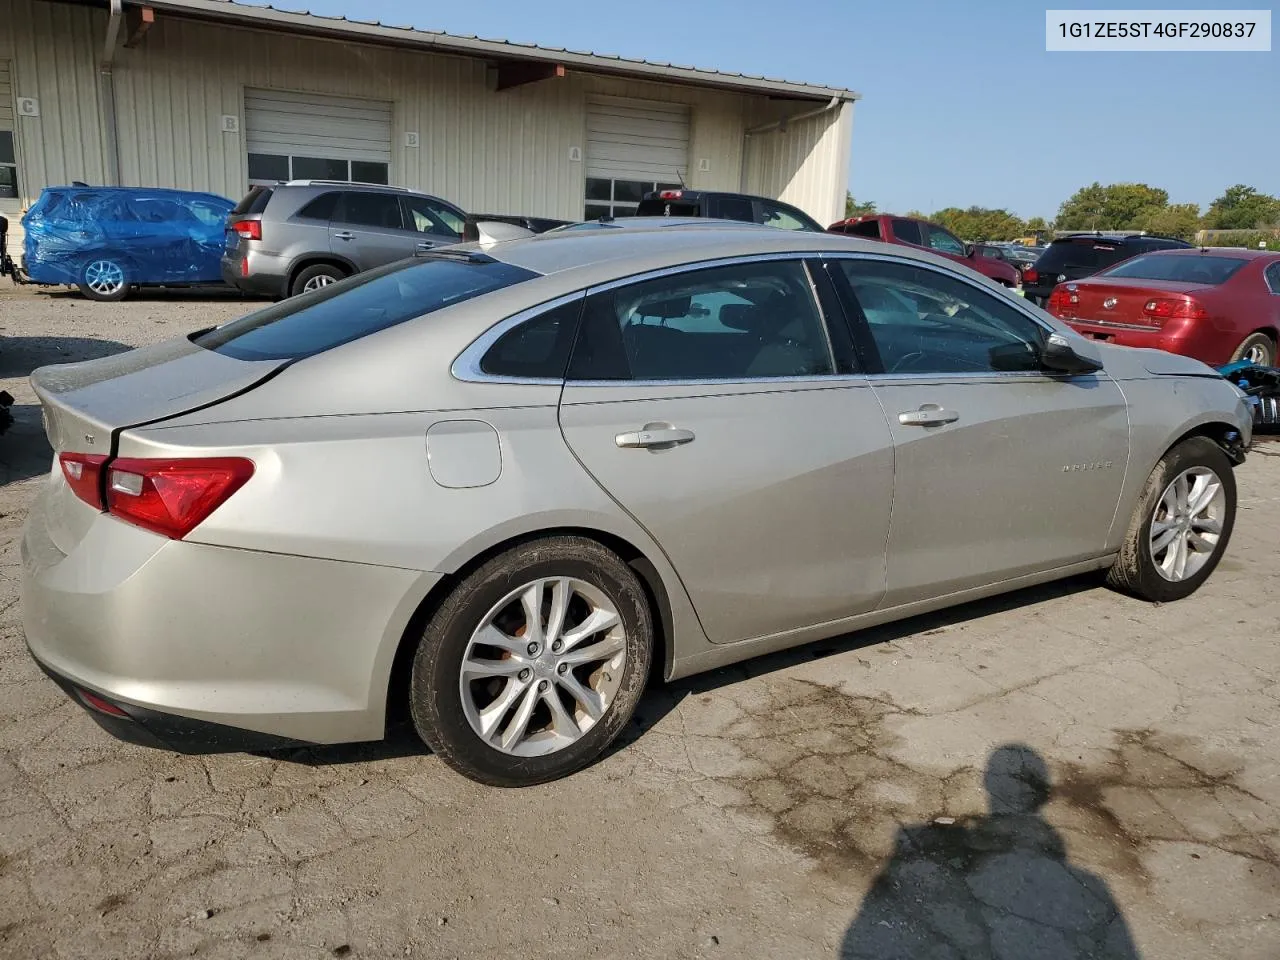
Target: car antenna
x=680 y=177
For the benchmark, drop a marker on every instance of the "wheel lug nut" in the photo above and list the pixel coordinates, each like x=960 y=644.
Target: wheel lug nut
x=557 y=646
x=542 y=685
x=526 y=673
x=534 y=649
x=563 y=668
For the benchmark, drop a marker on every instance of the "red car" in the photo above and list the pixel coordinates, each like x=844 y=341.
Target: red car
x=1216 y=305
x=930 y=236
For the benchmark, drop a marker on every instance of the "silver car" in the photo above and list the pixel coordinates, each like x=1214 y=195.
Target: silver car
x=504 y=486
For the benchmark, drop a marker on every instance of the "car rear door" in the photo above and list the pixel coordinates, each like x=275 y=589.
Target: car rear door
x=368 y=229
x=1002 y=469
x=715 y=407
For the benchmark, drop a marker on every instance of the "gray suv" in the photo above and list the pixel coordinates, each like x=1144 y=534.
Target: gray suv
x=291 y=237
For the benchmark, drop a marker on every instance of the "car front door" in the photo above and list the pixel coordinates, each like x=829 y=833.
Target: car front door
x=368 y=229
x=433 y=223
x=1002 y=468
x=715 y=406
x=944 y=242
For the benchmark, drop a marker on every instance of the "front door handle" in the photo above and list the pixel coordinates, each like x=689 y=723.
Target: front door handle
x=654 y=435
x=927 y=416
x=425 y=244
x=344 y=235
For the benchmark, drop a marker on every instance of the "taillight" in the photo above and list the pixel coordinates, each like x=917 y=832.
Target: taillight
x=1183 y=308
x=84 y=476
x=102 y=706
x=1029 y=275
x=671 y=194
x=249 y=229
x=1062 y=299
x=172 y=497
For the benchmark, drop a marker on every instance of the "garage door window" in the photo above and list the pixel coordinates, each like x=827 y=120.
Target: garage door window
x=271 y=168
x=618 y=198
x=8 y=166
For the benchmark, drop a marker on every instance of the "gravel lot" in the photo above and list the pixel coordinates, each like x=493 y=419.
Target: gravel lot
x=788 y=808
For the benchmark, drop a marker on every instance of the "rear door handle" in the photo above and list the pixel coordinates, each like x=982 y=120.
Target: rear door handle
x=654 y=435
x=344 y=235
x=927 y=416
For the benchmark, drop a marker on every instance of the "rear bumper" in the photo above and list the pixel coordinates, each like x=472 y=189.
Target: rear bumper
x=262 y=279
x=1186 y=340
x=204 y=645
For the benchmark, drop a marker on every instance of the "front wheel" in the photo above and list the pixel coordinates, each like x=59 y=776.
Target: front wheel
x=534 y=664
x=1181 y=526
x=104 y=279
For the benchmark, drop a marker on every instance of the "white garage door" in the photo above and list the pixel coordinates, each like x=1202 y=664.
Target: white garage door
x=633 y=146
x=10 y=204
x=305 y=136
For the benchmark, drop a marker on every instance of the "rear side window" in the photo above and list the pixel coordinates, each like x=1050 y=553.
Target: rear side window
x=322 y=207
x=1273 y=277
x=358 y=306
x=1206 y=270
x=255 y=201
x=742 y=322
x=907 y=231
x=735 y=208
x=868 y=228
x=538 y=348
x=369 y=209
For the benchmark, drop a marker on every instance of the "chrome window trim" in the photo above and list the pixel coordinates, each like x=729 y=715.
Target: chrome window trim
x=466 y=367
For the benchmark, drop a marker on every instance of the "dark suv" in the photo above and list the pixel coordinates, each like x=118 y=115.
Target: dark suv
x=297 y=236
x=725 y=206
x=1084 y=254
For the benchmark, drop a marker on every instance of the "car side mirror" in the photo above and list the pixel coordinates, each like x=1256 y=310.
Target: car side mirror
x=1063 y=355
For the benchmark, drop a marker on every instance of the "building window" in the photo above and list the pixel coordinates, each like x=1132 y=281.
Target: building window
x=8 y=167
x=265 y=168
x=618 y=198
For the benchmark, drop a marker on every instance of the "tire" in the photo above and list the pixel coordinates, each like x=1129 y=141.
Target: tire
x=314 y=277
x=1258 y=348
x=449 y=714
x=104 y=279
x=1138 y=569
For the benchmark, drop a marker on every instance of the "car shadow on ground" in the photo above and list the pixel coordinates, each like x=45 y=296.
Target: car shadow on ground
x=20 y=355
x=24 y=450
x=157 y=294
x=998 y=885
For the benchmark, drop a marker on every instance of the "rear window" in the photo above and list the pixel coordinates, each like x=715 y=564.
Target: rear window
x=364 y=304
x=1209 y=271
x=255 y=201
x=1085 y=253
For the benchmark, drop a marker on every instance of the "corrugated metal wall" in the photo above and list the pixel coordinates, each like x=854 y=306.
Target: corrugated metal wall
x=489 y=151
x=806 y=164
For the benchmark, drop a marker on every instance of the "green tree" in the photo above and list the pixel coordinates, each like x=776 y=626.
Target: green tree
x=1037 y=225
x=916 y=215
x=1176 y=220
x=980 y=223
x=852 y=208
x=1242 y=208
x=1113 y=207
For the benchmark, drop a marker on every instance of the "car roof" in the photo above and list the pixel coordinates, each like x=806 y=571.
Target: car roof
x=599 y=256
x=1233 y=253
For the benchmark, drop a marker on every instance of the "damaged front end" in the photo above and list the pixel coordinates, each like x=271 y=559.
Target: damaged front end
x=1261 y=387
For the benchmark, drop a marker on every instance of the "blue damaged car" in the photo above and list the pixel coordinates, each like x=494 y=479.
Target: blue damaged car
x=110 y=240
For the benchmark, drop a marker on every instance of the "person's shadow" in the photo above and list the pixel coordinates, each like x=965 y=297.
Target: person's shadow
x=997 y=886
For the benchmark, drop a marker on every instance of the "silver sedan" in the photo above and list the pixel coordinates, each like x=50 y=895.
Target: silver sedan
x=505 y=486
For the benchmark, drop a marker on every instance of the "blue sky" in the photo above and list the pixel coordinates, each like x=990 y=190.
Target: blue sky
x=962 y=105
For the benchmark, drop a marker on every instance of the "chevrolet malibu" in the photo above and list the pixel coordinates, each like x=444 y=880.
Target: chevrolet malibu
x=504 y=487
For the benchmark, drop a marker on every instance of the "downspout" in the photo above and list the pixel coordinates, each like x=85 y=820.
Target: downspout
x=782 y=124
x=107 y=82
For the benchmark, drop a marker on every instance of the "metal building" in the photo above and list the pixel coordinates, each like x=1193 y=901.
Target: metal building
x=215 y=95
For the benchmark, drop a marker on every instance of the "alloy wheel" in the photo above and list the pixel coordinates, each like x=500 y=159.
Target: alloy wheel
x=543 y=667
x=104 y=277
x=1186 y=528
x=1258 y=354
x=318 y=281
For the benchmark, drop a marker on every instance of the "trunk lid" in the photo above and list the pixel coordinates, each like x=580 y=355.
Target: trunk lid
x=86 y=405
x=1107 y=300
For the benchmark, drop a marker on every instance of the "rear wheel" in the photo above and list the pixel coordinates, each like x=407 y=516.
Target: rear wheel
x=534 y=664
x=1181 y=526
x=1257 y=348
x=314 y=277
x=104 y=279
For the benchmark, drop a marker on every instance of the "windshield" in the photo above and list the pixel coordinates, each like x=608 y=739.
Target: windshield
x=358 y=306
x=1209 y=271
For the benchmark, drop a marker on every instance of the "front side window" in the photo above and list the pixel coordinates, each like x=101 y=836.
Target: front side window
x=426 y=216
x=369 y=209
x=776 y=215
x=944 y=242
x=925 y=322
x=739 y=322
x=537 y=348
x=359 y=306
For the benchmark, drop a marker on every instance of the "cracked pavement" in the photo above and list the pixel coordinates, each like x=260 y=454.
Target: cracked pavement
x=846 y=799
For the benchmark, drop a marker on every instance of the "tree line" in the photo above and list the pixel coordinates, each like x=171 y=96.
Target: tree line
x=1116 y=206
